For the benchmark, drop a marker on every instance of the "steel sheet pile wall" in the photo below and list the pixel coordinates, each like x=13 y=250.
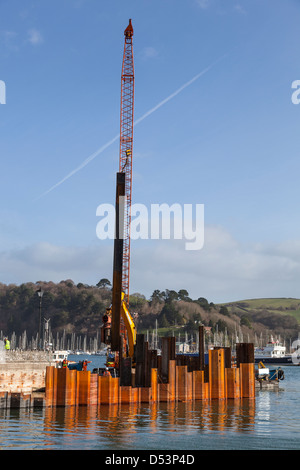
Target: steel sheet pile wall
x=164 y=378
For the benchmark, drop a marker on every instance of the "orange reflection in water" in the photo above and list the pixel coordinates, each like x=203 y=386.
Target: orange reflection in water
x=114 y=424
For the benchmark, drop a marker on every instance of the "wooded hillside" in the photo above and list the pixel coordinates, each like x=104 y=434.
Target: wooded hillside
x=79 y=309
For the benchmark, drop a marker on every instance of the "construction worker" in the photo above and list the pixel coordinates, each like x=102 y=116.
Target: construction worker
x=6 y=344
x=65 y=363
x=110 y=360
x=106 y=372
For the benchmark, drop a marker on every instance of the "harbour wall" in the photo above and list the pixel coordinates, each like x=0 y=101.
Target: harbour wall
x=23 y=371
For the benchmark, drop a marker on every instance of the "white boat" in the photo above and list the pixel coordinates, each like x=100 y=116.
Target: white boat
x=183 y=348
x=102 y=352
x=273 y=353
x=59 y=356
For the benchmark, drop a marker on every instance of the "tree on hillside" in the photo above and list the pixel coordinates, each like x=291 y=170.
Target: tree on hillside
x=203 y=302
x=183 y=295
x=137 y=300
x=103 y=283
x=170 y=314
x=245 y=321
x=224 y=311
x=157 y=296
x=220 y=325
x=191 y=326
x=170 y=295
x=163 y=323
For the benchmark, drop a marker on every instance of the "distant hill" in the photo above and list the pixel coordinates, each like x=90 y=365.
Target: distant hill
x=281 y=315
x=249 y=319
x=78 y=309
x=283 y=305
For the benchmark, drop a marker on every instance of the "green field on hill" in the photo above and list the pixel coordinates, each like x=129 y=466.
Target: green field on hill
x=284 y=306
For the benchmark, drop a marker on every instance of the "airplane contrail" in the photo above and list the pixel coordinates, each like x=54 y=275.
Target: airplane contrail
x=148 y=113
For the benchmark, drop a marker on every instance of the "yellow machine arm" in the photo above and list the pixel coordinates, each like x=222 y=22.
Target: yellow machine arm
x=128 y=322
x=130 y=326
x=261 y=365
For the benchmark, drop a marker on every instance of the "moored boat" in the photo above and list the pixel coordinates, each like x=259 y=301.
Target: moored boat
x=273 y=353
x=266 y=378
x=59 y=356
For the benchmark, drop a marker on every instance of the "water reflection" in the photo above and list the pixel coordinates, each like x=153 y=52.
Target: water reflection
x=116 y=426
x=271 y=421
x=264 y=417
x=215 y=415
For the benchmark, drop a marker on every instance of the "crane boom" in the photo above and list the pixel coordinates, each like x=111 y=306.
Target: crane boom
x=118 y=326
x=126 y=147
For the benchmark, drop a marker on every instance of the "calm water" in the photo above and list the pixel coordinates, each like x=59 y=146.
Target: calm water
x=271 y=421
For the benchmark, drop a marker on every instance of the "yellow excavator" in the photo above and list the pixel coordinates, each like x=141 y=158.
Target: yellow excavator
x=129 y=325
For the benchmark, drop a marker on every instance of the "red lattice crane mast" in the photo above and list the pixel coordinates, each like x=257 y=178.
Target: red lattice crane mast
x=118 y=326
x=126 y=147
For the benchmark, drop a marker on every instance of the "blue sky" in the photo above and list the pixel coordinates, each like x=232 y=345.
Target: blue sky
x=229 y=140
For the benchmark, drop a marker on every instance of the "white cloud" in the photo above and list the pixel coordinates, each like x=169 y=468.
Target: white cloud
x=45 y=261
x=34 y=37
x=9 y=39
x=9 y=35
x=224 y=270
x=149 y=52
x=204 y=4
x=13 y=42
x=240 y=9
